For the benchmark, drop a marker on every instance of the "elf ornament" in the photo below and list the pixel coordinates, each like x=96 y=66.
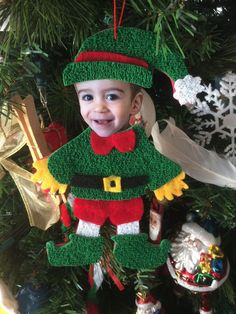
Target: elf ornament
x=196 y=261
x=108 y=175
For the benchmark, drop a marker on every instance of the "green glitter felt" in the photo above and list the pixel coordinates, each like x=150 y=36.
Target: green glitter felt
x=77 y=157
x=79 y=251
x=135 y=252
x=132 y=42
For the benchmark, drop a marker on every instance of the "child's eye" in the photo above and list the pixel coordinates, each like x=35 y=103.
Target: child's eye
x=112 y=97
x=87 y=97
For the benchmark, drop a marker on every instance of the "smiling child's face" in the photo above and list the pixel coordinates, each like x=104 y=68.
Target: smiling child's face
x=106 y=105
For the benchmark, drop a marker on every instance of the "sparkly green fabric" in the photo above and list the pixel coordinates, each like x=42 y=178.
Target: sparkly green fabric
x=77 y=157
x=78 y=251
x=87 y=71
x=132 y=42
x=135 y=252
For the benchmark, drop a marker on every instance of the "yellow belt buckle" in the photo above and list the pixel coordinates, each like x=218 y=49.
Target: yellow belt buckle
x=112 y=184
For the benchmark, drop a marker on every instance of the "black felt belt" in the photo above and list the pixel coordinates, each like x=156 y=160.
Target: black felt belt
x=97 y=182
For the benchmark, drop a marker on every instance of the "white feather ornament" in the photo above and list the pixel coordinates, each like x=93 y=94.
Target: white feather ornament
x=199 y=163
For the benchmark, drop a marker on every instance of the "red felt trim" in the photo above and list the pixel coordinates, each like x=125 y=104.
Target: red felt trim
x=109 y=56
x=123 y=142
x=65 y=217
x=100 y=145
x=119 y=212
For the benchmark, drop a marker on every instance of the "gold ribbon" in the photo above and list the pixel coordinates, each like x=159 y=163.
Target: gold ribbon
x=42 y=208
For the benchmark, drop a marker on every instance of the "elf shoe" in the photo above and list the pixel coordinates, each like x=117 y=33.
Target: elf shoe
x=134 y=251
x=78 y=251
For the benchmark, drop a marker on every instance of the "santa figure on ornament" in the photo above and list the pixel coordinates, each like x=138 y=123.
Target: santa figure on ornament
x=196 y=261
x=148 y=305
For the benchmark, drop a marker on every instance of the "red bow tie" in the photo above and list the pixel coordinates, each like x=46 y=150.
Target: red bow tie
x=123 y=142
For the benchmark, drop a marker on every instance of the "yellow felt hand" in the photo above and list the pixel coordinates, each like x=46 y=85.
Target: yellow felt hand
x=44 y=177
x=172 y=188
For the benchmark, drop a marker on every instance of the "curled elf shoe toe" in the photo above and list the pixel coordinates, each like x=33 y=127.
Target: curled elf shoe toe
x=78 y=251
x=134 y=251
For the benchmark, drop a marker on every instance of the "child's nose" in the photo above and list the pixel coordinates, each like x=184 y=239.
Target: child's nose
x=101 y=106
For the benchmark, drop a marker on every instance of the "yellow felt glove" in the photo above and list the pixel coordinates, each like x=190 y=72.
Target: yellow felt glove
x=172 y=188
x=44 y=177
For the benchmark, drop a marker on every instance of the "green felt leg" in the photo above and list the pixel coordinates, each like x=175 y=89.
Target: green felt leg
x=78 y=251
x=134 y=251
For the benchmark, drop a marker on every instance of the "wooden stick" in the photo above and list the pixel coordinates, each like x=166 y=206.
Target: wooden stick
x=29 y=123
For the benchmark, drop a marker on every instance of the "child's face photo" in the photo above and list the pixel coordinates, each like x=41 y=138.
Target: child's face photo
x=106 y=105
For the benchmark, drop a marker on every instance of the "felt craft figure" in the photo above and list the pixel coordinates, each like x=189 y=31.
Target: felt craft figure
x=111 y=164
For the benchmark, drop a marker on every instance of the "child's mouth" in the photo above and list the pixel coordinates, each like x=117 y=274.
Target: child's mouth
x=102 y=122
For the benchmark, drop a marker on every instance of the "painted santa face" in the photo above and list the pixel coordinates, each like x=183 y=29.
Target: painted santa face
x=106 y=105
x=186 y=251
x=154 y=225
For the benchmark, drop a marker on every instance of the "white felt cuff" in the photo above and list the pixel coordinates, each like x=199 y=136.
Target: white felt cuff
x=87 y=229
x=129 y=228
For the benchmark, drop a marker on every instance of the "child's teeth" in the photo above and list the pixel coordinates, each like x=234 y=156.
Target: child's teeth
x=102 y=121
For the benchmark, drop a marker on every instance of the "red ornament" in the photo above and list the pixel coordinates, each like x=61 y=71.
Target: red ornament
x=55 y=136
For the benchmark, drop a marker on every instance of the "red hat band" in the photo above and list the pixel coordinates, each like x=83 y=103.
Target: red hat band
x=109 y=56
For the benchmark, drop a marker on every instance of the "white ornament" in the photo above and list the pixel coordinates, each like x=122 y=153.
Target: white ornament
x=193 y=260
x=217 y=115
x=187 y=89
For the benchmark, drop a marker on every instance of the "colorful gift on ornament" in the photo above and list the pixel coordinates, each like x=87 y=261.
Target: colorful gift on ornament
x=196 y=261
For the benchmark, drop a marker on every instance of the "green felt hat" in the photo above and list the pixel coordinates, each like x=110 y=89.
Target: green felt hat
x=131 y=57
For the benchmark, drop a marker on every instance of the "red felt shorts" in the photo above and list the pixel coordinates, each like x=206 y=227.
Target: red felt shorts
x=119 y=212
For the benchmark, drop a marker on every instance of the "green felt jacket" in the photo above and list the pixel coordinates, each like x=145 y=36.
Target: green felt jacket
x=78 y=158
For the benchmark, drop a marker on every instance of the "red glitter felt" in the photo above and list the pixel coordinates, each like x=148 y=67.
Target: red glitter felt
x=123 y=142
x=119 y=212
x=109 y=56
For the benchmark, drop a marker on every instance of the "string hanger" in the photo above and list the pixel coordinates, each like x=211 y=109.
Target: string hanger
x=115 y=16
